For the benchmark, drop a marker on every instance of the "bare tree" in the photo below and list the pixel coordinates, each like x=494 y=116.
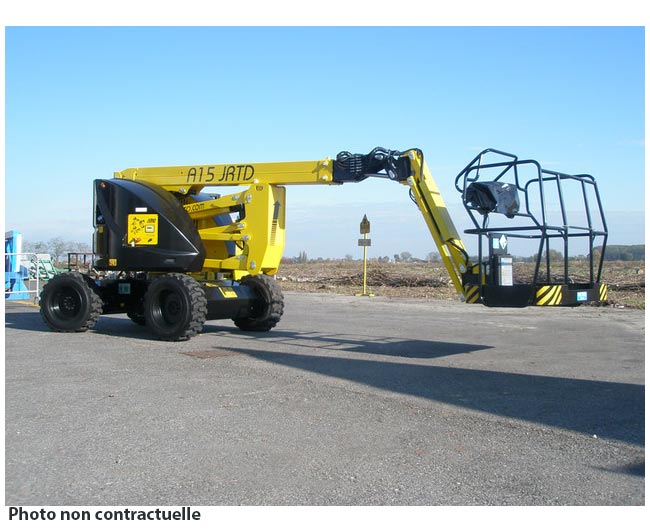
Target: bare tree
x=57 y=247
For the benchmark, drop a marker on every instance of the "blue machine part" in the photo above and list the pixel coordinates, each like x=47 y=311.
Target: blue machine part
x=15 y=273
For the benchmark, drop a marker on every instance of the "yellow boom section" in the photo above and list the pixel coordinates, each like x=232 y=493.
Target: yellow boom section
x=254 y=242
x=244 y=232
x=192 y=179
x=427 y=196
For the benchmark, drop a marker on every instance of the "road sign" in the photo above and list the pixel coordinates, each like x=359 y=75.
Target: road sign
x=365 y=225
x=365 y=243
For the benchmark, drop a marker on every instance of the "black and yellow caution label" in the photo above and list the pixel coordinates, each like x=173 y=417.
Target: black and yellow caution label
x=549 y=295
x=471 y=294
x=603 y=292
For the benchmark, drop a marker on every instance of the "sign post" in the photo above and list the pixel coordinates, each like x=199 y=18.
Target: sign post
x=365 y=243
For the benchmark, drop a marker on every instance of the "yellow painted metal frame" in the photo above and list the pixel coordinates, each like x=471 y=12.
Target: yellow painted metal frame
x=192 y=179
x=260 y=235
x=434 y=210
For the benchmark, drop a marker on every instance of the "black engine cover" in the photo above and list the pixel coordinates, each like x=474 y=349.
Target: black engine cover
x=172 y=242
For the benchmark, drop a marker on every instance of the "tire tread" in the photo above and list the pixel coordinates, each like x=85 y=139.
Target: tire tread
x=271 y=291
x=198 y=307
x=95 y=301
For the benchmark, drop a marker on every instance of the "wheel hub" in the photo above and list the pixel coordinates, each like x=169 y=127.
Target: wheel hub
x=69 y=303
x=172 y=308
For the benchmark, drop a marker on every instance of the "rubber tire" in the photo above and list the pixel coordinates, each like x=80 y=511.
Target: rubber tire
x=137 y=317
x=269 y=307
x=175 y=307
x=69 y=303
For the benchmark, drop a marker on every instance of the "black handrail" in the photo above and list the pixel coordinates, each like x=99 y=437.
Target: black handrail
x=509 y=166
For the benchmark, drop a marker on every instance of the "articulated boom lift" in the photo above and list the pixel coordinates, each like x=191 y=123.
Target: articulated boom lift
x=172 y=256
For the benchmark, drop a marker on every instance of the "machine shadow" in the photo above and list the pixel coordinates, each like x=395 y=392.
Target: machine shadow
x=122 y=327
x=357 y=343
x=606 y=409
x=27 y=320
x=111 y=325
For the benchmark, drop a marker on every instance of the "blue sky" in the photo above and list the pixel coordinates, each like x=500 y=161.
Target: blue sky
x=84 y=102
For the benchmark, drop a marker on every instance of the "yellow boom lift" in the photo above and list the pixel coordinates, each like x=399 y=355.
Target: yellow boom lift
x=172 y=256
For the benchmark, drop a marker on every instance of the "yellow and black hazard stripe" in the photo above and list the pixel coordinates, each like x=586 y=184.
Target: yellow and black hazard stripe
x=471 y=293
x=549 y=295
x=603 y=292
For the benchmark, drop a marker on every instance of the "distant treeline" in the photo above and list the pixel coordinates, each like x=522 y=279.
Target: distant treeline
x=624 y=252
x=612 y=253
x=59 y=248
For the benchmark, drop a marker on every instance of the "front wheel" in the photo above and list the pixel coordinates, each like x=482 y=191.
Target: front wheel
x=69 y=303
x=175 y=307
x=268 y=307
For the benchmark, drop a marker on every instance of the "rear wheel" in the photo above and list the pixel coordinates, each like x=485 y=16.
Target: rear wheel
x=69 y=303
x=268 y=306
x=175 y=307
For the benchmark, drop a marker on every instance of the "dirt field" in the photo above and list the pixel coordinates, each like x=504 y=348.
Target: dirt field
x=626 y=280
